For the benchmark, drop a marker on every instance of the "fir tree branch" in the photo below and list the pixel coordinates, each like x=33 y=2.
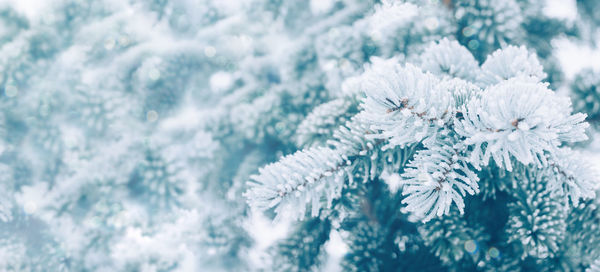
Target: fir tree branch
x=518 y=119
x=437 y=177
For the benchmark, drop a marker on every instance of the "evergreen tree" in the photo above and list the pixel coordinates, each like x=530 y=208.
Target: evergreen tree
x=453 y=127
x=147 y=135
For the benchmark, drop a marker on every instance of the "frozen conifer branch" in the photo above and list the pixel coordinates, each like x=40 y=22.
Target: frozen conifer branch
x=521 y=119
x=297 y=180
x=459 y=127
x=317 y=175
x=385 y=107
x=449 y=59
x=511 y=62
x=437 y=177
x=404 y=104
x=462 y=92
x=537 y=224
x=367 y=156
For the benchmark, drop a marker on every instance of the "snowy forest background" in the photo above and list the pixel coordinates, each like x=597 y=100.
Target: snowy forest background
x=289 y=135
